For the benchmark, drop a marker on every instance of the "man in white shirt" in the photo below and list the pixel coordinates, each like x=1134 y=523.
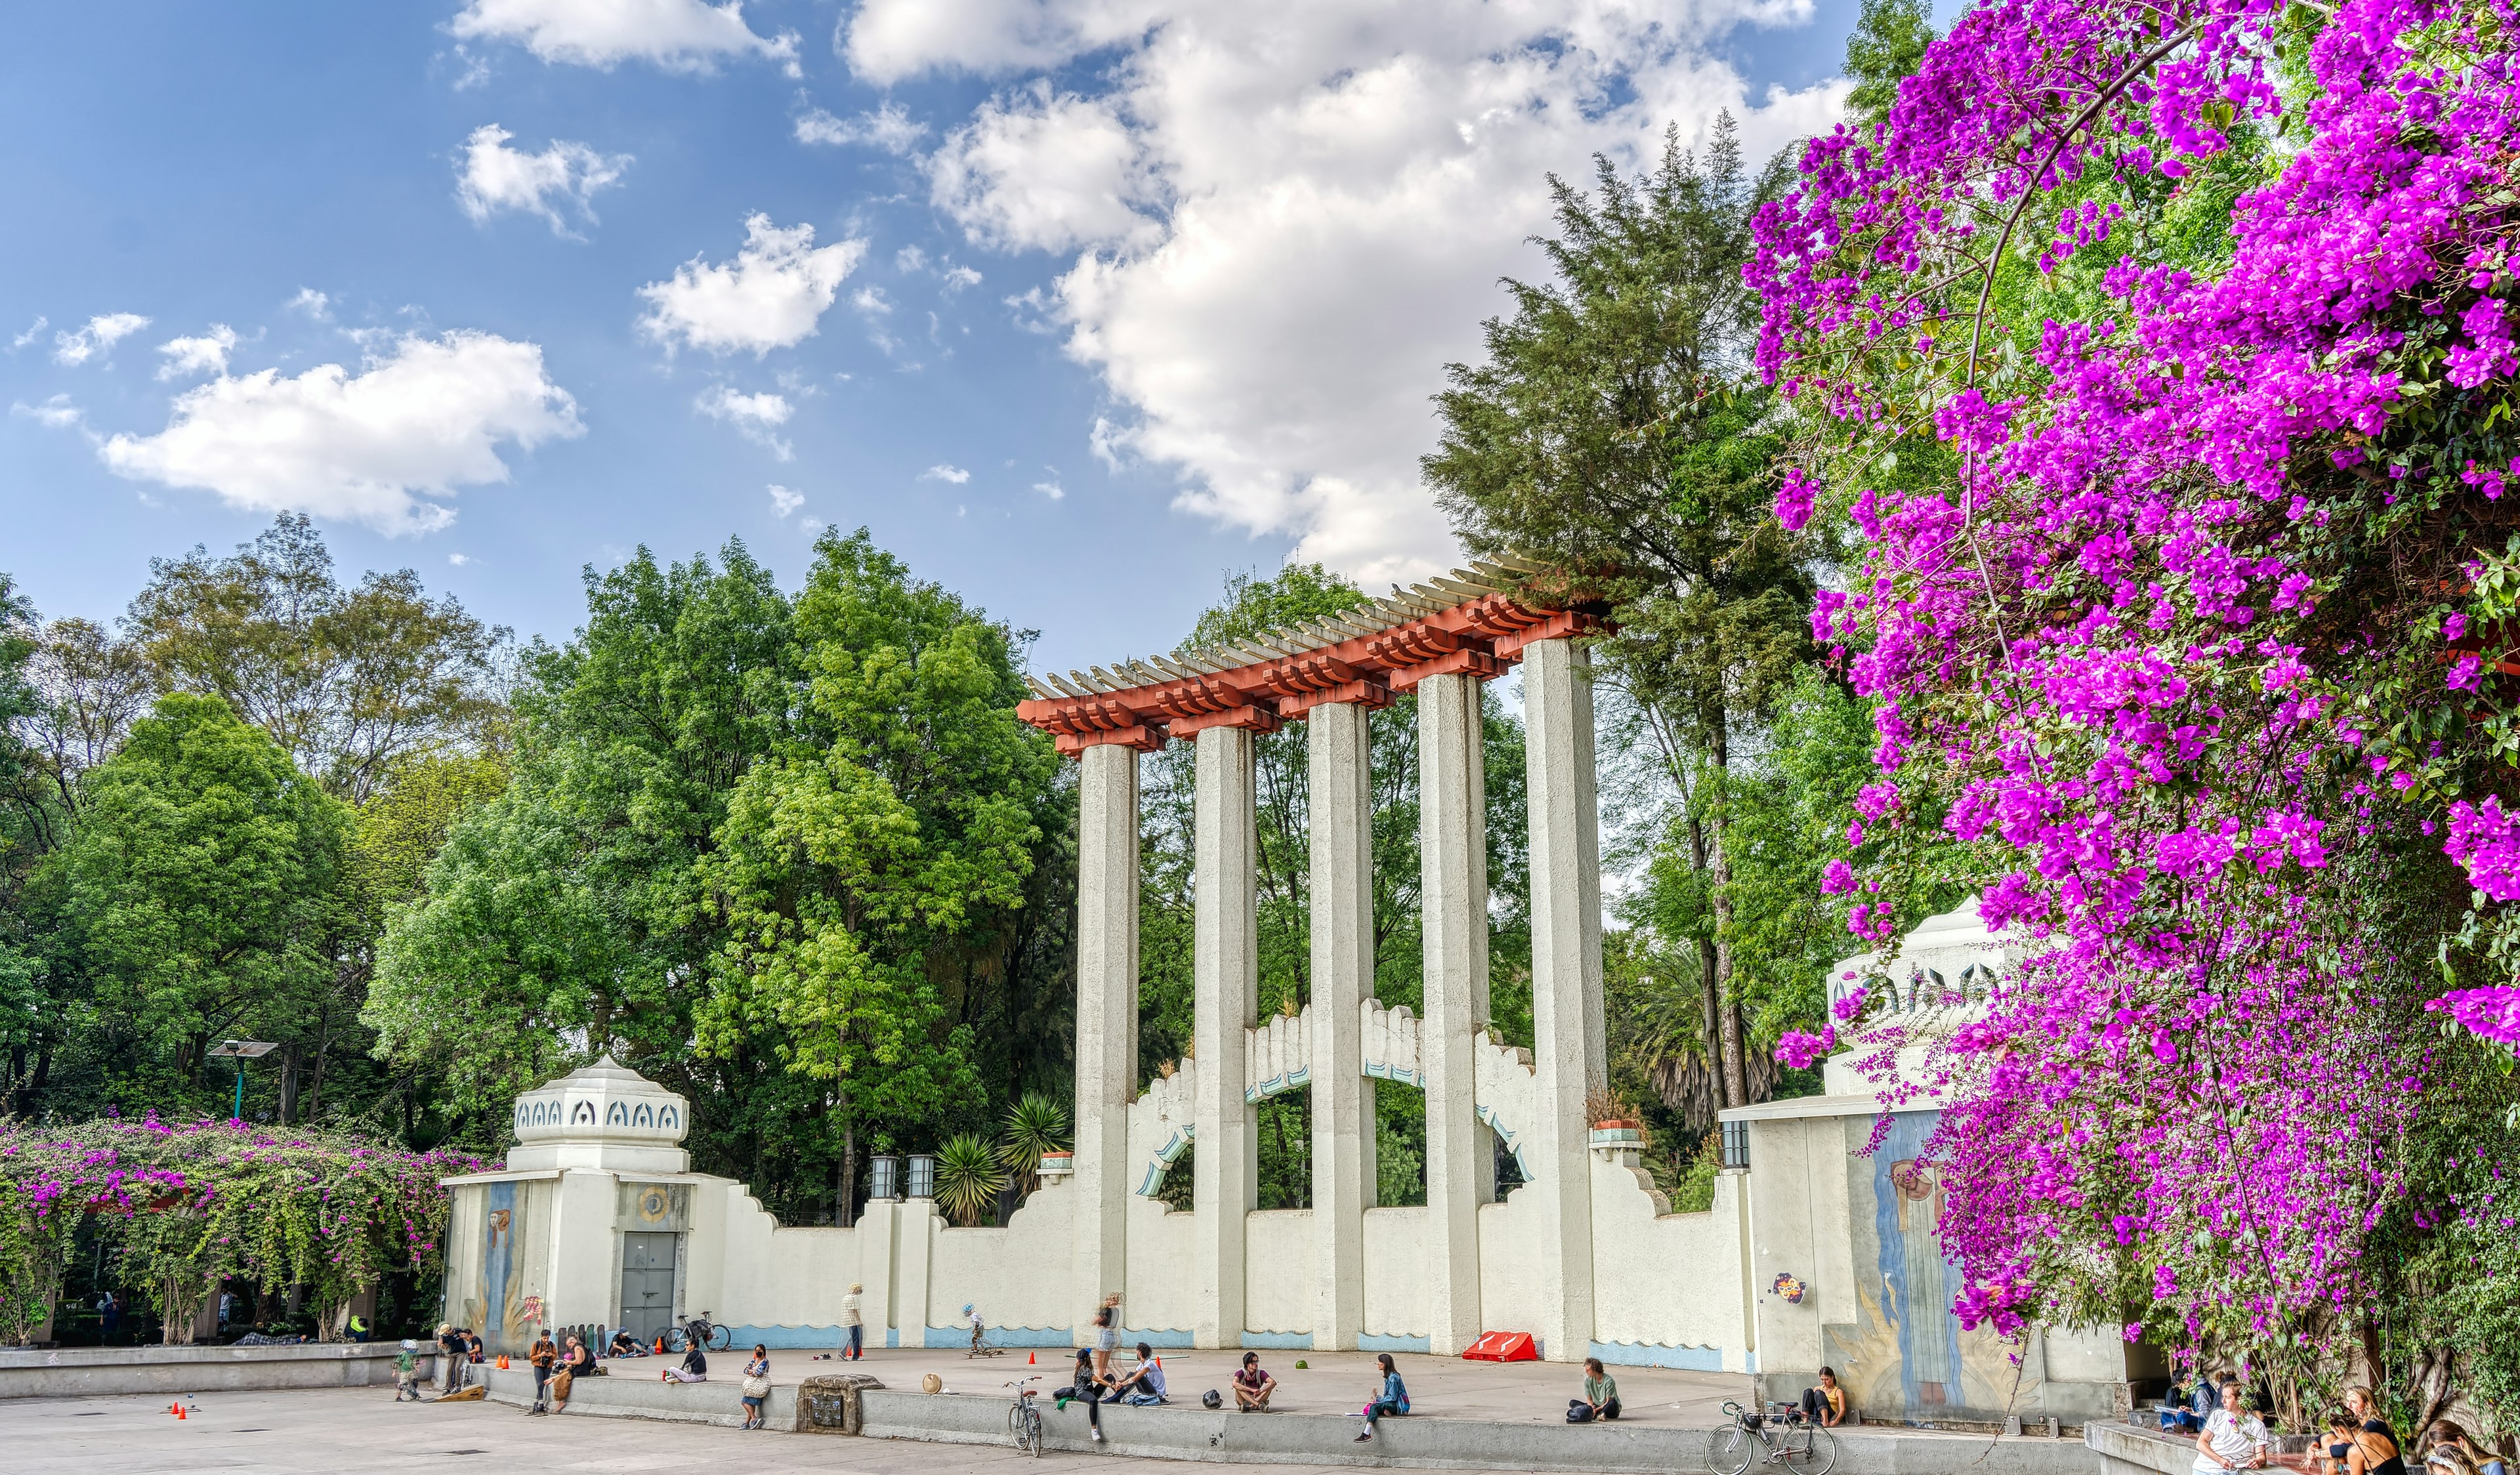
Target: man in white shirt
x=1145 y=1383
x=2232 y=1439
x=850 y=1319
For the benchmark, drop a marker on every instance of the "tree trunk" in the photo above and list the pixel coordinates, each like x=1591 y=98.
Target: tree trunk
x=287 y=1085
x=844 y=1212
x=1737 y=1068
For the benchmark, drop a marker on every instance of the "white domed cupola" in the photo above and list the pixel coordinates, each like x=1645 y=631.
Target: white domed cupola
x=606 y=1116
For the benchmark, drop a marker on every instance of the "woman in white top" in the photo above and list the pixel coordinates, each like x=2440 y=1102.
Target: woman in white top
x=2232 y=1438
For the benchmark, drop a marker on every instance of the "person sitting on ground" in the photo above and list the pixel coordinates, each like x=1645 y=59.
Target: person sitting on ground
x=545 y=1357
x=358 y=1327
x=2234 y=1437
x=1087 y=1389
x=695 y=1368
x=2366 y=1409
x=1252 y=1385
x=1601 y=1398
x=625 y=1345
x=1826 y=1404
x=1390 y=1401
x=1144 y=1384
x=756 y=1385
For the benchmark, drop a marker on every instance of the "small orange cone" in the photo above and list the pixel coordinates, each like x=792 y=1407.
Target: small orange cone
x=179 y=1412
x=1033 y=1360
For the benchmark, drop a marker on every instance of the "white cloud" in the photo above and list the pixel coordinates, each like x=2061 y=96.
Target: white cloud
x=959 y=277
x=101 y=334
x=207 y=354
x=493 y=177
x=1050 y=489
x=890 y=128
x=32 y=329
x=423 y=418
x=1047 y=171
x=753 y=416
x=459 y=559
x=783 y=500
x=313 y=303
x=54 y=413
x=945 y=472
x=1282 y=221
x=679 y=35
x=771 y=297
x=870 y=301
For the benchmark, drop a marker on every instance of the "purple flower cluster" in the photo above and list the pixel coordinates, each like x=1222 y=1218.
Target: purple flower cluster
x=2099 y=646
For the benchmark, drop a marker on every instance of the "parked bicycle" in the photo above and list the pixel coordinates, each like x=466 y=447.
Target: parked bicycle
x=1023 y=1417
x=1781 y=1437
x=710 y=1336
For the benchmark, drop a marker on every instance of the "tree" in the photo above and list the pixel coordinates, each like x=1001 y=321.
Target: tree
x=198 y=895
x=1889 y=40
x=347 y=680
x=1610 y=435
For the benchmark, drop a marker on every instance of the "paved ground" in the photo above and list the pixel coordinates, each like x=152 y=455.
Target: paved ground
x=363 y=1429
x=1444 y=1387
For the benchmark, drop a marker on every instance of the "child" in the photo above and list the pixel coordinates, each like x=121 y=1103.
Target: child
x=407 y=1372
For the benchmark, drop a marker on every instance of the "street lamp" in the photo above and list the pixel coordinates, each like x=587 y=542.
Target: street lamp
x=241 y=1050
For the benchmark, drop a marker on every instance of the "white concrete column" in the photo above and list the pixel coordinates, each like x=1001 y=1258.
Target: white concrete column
x=1106 y=1022
x=1452 y=856
x=1225 y=975
x=1341 y=806
x=1569 y=1055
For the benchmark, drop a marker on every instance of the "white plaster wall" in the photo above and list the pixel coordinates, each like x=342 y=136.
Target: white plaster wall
x=1002 y=1270
x=1663 y=1280
x=771 y=1276
x=1395 y=1272
x=1510 y=1268
x=2084 y=1355
x=585 y=1276
x=1161 y=1295
x=1799 y=1226
x=1278 y=1270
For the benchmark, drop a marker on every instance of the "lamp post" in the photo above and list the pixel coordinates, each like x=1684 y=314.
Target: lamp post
x=241 y=1050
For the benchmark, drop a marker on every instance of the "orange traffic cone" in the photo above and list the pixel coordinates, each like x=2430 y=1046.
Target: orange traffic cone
x=179 y=1412
x=175 y=1408
x=502 y=1362
x=1033 y=1360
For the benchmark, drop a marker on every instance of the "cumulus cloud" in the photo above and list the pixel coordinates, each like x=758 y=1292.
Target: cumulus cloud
x=33 y=331
x=679 y=35
x=492 y=177
x=1050 y=489
x=770 y=297
x=1283 y=221
x=423 y=418
x=890 y=128
x=783 y=500
x=311 y=303
x=945 y=472
x=755 y=416
x=100 y=335
x=207 y=354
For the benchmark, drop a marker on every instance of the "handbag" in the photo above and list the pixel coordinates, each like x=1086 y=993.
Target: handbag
x=757 y=1387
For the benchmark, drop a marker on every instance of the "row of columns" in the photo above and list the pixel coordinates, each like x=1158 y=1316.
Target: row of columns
x=1569 y=1058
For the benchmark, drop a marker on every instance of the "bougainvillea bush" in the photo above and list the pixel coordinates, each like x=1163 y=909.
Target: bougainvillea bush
x=180 y=1206
x=2160 y=354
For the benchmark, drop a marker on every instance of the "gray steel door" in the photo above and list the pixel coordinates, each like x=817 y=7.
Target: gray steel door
x=647 y=1284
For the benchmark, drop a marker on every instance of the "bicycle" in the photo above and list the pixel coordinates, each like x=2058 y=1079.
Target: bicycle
x=1781 y=1437
x=699 y=1329
x=1023 y=1417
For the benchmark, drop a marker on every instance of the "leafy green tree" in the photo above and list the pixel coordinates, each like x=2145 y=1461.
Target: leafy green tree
x=198 y=896
x=347 y=680
x=1889 y=40
x=1611 y=435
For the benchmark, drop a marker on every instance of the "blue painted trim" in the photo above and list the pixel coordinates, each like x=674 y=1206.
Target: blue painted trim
x=1372 y=1342
x=1157 y=1336
x=1488 y=1115
x=1277 y=1085
x=1654 y=1355
x=1291 y=1341
x=1750 y=1362
x=789 y=1338
x=1383 y=1072
x=1165 y=1156
x=893 y=1336
x=1004 y=1336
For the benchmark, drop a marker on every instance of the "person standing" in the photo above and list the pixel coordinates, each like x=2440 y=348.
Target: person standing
x=756 y=1385
x=2233 y=1439
x=1107 y=1340
x=852 y=1318
x=545 y=1356
x=1392 y=1400
x=450 y=1353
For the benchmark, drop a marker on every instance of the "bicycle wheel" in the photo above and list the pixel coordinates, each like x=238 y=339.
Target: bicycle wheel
x=1814 y=1452
x=1032 y=1428
x=722 y=1339
x=1729 y=1449
x=673 y=1339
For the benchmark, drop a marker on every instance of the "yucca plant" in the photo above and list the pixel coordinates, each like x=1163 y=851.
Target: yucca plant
x=968 y=1178
x=1035 y=1124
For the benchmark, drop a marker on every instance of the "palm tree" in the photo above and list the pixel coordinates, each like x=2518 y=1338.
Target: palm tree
x=1035 y=1124
x=968 y=1178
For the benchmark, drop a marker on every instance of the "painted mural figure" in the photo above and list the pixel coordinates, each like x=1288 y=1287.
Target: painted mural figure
x=1932 y=1361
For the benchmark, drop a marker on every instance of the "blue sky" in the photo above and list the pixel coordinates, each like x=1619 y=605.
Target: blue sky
x=1102 y=298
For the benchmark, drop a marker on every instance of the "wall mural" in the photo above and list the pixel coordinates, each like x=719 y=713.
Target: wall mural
x=502 y=1287
x=1907 y=1358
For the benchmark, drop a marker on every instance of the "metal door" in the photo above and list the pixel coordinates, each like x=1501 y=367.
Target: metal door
x=647 y=1284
